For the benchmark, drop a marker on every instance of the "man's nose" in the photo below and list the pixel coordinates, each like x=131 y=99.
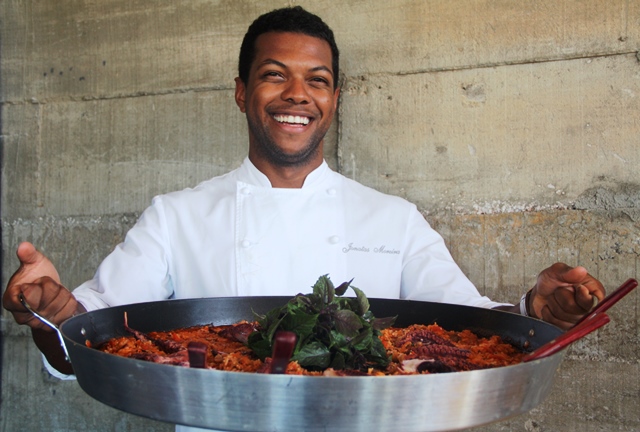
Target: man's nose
x=296 y=92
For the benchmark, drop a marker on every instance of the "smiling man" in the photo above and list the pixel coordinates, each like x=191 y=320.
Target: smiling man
x=289 y=95
x=283 y=218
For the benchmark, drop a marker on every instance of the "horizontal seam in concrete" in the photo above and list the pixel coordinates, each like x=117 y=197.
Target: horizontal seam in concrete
x=501 y=64
x=89 y=98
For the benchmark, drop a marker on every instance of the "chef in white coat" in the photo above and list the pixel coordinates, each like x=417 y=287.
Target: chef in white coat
x=283 y=218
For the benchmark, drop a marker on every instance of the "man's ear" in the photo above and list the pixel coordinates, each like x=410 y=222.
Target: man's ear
x=336 y=96
x=240 y=95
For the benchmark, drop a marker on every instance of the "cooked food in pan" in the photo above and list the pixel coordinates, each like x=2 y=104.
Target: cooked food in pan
x=334 y=336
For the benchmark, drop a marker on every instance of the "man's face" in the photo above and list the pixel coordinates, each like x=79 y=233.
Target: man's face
x=289 y=99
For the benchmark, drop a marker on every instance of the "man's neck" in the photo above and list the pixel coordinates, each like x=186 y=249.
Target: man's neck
x=291 y=177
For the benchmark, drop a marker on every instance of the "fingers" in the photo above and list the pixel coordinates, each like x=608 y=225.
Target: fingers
x=21 y=315
x=46 y=297
x=577 y=277
x=562 y=309
x=563 y=294
x=587 y=299
x=548 y=316
x=560 y=275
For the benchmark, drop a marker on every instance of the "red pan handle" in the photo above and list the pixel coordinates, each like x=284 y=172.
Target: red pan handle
x=566 y=339
x=589 y=322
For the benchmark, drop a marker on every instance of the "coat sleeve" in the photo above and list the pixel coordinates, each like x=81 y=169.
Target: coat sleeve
x=137 y=270
x=429 y=272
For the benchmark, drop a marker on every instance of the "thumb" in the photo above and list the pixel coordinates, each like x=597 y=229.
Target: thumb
x=561 y=275
x=33 y=265
x=28 y=254
x=574 y=275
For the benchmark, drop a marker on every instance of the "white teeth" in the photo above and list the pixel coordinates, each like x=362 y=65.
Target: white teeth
x=292 y=119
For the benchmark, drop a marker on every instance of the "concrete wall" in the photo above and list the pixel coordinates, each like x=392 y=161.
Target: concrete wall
x=513 y=125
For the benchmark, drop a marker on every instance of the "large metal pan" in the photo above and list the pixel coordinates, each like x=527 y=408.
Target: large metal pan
x=261 y=402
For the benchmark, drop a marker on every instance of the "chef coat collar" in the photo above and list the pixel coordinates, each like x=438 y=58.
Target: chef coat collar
x=248 y=173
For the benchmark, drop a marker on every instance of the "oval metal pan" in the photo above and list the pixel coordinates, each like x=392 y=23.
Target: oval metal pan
x=257 y=402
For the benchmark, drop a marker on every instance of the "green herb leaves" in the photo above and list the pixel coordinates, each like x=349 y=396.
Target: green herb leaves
x=333 y=331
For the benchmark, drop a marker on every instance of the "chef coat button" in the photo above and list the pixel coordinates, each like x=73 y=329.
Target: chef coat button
x=334 y=239
x=246 y=191
x=246 y=243
x=331 y=191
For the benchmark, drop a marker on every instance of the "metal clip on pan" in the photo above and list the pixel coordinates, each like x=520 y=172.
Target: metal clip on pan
x=588 y=323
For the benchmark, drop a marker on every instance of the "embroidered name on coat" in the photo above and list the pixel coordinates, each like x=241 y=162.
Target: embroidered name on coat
x=381 y=249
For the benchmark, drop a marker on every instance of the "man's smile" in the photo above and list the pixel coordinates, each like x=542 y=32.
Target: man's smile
x=291 y=119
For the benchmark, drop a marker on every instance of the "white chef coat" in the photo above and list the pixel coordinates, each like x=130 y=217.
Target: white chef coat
x=235 y=235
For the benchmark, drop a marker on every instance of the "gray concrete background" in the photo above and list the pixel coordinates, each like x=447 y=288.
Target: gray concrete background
x=513 y=125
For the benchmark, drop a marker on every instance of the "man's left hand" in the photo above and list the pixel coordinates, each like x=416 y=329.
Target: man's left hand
x=563 y=294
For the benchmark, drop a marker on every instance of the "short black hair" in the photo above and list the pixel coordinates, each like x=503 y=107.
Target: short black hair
x=286 y=20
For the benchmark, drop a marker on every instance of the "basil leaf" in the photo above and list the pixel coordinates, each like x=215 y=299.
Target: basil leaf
x=299 y=322
x=347 y=323
x=343 y=287
x=314 y=356
x=363 y=302
x=338 y=362
x=324 y=288
x=363 y=341
x=261 y=347
x=382 y=323
x=338 y=341
x=378 y=353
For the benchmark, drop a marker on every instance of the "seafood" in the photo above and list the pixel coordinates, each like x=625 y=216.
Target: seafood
x=417 y=349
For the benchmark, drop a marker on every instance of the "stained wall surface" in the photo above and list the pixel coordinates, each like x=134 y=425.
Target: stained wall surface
x=513 y=125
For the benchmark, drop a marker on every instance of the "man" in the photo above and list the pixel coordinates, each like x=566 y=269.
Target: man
x=282 y=219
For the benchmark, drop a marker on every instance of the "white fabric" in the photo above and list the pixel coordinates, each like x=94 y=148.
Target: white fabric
x=235 y=235
x=56 y=373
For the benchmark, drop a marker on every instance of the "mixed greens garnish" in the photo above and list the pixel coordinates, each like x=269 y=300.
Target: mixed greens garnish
x=333 y=331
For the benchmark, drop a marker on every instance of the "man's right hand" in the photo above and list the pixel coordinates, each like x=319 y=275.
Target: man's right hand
x=38 y=281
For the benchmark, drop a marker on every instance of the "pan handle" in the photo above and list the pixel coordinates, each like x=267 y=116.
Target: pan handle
x=47 y=322
x=585 y=325
x=566 y=339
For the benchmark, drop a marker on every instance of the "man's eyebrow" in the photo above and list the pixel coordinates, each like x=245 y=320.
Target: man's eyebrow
x=271 y=61
x=322 y=68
